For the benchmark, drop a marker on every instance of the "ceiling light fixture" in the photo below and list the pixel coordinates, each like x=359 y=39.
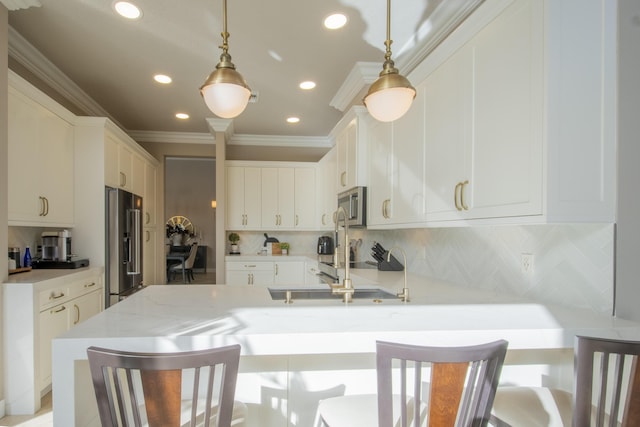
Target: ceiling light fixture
x=308 y=85
x=161 y=78
x=127 y=9
x=225 y=91
x=293 y=120
x=335 y=21
x=182 y=116
x=389 y=97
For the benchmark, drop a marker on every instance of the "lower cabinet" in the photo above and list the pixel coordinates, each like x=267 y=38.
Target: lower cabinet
x=39 y=312
x=265 y=273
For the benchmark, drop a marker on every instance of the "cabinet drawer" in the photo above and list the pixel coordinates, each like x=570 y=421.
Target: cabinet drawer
x=250 y=265
x=54 y=296
x=82 y=287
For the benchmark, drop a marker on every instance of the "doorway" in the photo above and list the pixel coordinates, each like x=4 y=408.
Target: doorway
x=190 y=192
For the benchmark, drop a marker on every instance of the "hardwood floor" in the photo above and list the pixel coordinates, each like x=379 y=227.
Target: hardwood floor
x=43 y=418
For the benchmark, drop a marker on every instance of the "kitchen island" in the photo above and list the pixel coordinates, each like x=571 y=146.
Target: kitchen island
x=294 y=354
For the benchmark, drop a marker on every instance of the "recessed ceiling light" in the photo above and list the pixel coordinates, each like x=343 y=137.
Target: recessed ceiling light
x=335 y=21
x=182 y=116
x=127 y=9
x=293 y=119
x=161 y=78
x=307 y=85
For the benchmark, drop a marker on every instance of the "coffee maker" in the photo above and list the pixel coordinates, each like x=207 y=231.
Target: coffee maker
x=56 y=245
x=325 y=245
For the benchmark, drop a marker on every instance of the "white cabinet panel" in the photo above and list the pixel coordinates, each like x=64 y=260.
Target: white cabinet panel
x=41 y=164
x=326 y=188
x=305 y=198
x=351 y=149
x=53 y=322
x=289 y=273
x=244 y=201
x=278 y=198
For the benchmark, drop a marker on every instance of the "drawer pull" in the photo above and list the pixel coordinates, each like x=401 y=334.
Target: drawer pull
x=63 y=308
x=89 y=285
x=60 y=295
x=77 y=314
x=250 y=266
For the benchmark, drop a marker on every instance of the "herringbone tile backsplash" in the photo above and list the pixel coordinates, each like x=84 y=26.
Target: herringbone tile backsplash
x=573 y=264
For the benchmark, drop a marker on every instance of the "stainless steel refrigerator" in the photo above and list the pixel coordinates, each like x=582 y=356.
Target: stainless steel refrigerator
x=123 y=264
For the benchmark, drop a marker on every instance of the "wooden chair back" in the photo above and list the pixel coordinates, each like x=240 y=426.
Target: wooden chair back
x=460 y=391
x=607 y=383
x=165 y=389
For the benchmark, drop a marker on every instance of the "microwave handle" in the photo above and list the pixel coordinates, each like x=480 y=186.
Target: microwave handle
x=353 y=206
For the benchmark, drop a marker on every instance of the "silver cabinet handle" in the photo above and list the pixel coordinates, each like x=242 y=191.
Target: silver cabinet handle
x=41 y=206
x=75 y=306
x=456 y=193
x=46 y=204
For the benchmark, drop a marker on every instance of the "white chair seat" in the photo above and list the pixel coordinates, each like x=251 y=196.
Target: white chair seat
x=358 y=410
x=533 y=406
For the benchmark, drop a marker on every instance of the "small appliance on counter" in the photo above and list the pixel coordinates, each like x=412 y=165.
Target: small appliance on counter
x=325 y=245
x=56 y=252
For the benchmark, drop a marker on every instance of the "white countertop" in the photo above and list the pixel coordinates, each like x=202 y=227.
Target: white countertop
x=40 y=275
x=187 y=317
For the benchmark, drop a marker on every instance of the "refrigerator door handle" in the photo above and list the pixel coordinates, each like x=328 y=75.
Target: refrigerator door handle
x=135 y=253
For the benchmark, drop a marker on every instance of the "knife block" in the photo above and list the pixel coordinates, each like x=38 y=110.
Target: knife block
x=392 y=265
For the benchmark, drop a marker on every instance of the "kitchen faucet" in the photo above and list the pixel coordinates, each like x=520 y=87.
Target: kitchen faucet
x=404 y=295
x=347 y=288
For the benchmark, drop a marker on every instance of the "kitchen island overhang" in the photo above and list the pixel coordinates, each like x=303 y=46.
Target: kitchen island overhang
x=188 y=317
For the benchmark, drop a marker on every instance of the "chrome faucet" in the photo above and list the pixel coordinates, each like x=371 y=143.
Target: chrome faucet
x=347 y=287
x=404 y=295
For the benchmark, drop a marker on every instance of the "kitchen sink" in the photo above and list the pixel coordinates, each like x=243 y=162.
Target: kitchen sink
x=315 y=293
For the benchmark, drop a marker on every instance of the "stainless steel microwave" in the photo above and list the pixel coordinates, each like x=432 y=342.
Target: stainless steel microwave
x=354 y=202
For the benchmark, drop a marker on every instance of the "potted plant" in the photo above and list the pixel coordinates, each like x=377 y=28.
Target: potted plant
x=234 y=239
x=285 y=248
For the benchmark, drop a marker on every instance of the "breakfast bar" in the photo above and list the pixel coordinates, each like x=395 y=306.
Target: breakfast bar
x=294 y=352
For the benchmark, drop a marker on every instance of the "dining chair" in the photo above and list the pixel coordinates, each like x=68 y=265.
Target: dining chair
x=187 y=269
x=606 y=390
x=459 y=390
x=167 y=389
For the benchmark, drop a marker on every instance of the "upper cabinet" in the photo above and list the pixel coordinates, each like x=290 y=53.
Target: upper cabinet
x=41 y=152
x=351 y=135
x=271 y=195
x=517 y=118
x=326 y=190
x=396 y=174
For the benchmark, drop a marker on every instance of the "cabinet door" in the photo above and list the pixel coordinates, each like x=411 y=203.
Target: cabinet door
x=289 y=273
x=84 y=307
x=111 y=170
x=125 y=167
x=407 y=179
x=53 y=322
x=149 y=197
x=149 y=256
x=278 y=198
x=326 y=184
x=306 y=199
x=56 y=155
x=137 y=175
x=342 y=140
x=23 y=169
x=262 y=278
x=269 y=198
x=252 y=197
x=380 y=176
x=238 y=278
x=235 y=198
x=507 y=115
x=447 y=93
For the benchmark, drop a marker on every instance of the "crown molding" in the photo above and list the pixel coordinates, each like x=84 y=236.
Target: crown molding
x=172 y=137
x=20 y=4
x=361 y=75
x=281 y=141
x=34 y=61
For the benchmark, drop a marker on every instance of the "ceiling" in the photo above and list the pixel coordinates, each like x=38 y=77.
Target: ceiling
x=274 y=44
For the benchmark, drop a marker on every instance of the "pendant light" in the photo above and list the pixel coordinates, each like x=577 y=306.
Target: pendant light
x=389 y=97
x=225 y=91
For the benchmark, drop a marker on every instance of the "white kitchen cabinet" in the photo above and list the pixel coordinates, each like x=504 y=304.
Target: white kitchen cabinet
x=311 y=274
x=249 y=273
x=518 y=120
x=137 y=175
x=38 y=312
x=289 y=273
x=123 y=167
x=150 y=256
x=305 y=198
x=149 y=197
x=351 y=135
x=244 y=198
x=278 y=203
x=327 y=190
x=396 y=177
x=41 y=158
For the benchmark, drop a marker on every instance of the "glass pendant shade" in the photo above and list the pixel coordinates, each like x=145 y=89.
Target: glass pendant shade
x=226 y=93
x=389 y=97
